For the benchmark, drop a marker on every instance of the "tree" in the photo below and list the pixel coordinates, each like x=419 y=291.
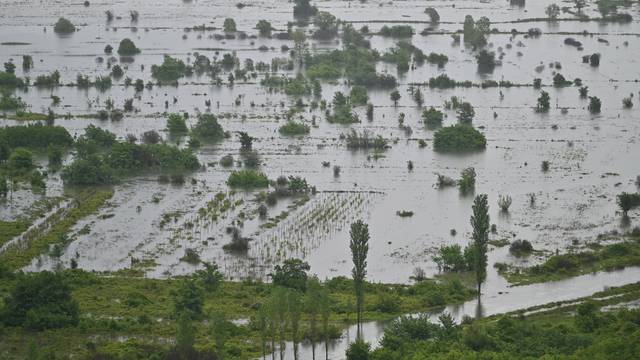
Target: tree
x=466 y=113
x=64 y=26
x=210 y=277
x=627 y=201
x=480 y=237
x=220 y=332
x=303 y=8
x=176 y=124
x=326 y=26
x=312 y=306
x=358 y=350
x=359 y=248
x=246 y=141
x=324 y=307
x=127 y=48
x=208 y=128
x=543 y=102
x=20 y=160
x=185 y=336
x=40 y=301
x=229 y=25
x=486 y=60
x=187 y=299
x=483 y=25
x=264 y=28
x=292 y=274
x=594 y=104
x=295 y=307
x=552 y=11
x=395 y=96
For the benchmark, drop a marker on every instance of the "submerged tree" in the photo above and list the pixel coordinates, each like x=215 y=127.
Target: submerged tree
x=480 y=237
x=359 y=248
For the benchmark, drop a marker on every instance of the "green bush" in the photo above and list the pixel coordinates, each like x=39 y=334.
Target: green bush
x=207 y=128
x=41 y=301
x=292 y=128
x=397 y=31
x=127 y=48
x=627 y=201
x=459 y=138
x=8 y=79
x=64 y=26
x=88 y=171
x=432 y=117
x=170 y=70
x=176 y=124
x=20 y=160
x=247 y=179
x=10 y=102
x=36 y=136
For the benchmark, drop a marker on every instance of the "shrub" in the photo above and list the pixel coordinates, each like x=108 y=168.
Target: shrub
x=432 y=117
x=229 y=25
x=10 y=80
x=294 y=128
x=20 y=160
x=40 y=301
x=466 y=113
x=36 y=136
x=543 y=102
x=88 y=171
x=458 y=138
x=388 y=303
x=127 y=48
x=176 y=124
x=10 y=102
x=467 y=180
x=433 y=14
x=627 y=201
x=226 y=161
x=292 y=274
x=450 y=258
x=594 y=104
x=170 y=70
x=64 y=26
x=51 y=80
x=504 y=202
x=486 y=60
x=520 y=247
x=208 y=128
x=358 y=350
x=247 y=179
x=363 y=140
x=397 y=31
x=359 y=95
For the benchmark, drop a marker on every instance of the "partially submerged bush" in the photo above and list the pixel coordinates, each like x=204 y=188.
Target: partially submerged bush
x=248 y=179
x=520 y=247
x=292 y=128
x=364 y=140
x=627 y=201
x=467 y=180
x=127 y=48
x=170 y=70
x=459 y=138
x=64 y=26
x=176 y=124
x=432 y=117
x=207 y=128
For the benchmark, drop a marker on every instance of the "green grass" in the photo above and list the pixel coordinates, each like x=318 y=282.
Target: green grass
x=11 y=229
x=600 y=258
x=107 y=313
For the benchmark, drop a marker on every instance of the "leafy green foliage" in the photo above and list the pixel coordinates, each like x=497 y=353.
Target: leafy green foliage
x=36 y=136
x=170 y=70
x=176 y=124
x=292 y=274
x=458 y=138
x=207 y=128
x=127 y=48
x=64 y=26
x=432 y=117
x=292 y=128
x=247 y=179
x=40 y=301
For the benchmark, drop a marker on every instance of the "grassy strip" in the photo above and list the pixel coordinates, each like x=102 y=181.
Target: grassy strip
x=11 y=229
x=601 y=258
x=88 y=203
x=141 y=311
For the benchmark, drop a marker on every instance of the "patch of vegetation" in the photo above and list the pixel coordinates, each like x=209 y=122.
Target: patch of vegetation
x=207 y=128
x=608 y=257
x=458 y=138
x=64 y=26
x=170 y=70
x=292 y=128
x=247 y=179
x=364 y=140
x=397 y=31
x=127 y=48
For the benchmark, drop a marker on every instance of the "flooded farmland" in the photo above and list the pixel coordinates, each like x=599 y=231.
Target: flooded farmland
x=552 y=169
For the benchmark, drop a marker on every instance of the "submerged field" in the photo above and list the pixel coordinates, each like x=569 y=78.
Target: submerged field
x=250 y=144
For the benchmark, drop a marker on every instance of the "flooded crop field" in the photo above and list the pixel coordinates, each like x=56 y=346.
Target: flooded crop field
x=243 y=134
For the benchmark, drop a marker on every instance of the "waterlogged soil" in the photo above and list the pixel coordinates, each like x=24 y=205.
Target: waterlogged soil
x=592 y=157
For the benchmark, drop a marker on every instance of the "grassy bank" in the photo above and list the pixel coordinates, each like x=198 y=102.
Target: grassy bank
x=598 y=258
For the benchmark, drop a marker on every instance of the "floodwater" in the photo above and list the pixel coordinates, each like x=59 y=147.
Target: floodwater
x=592 y=157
